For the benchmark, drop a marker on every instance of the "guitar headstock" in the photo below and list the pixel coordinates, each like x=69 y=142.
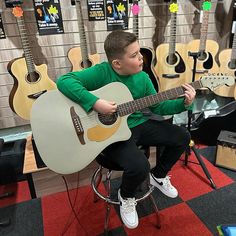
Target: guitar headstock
x=213 y=82
x=173 y=7
x=17 y=11
x=207 y=5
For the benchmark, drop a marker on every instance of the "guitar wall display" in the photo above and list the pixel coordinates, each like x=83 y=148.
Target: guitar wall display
x=205 y=48
x=30 y=80
x=147 y=52
x=78 y=56
x=171 y=68
x=68 y=138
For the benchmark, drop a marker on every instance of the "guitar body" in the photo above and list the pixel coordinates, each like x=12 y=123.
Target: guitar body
x=206 y=64
x=225 y=58
x=75 y=57
x=171 y=76
x=55 y=134
x=19 y=99
x=148 y=65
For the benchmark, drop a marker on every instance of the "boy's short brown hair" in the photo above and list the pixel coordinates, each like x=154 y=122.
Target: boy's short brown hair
x=116 y=42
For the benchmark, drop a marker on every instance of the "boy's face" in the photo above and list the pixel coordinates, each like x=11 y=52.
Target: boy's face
x=132 y=60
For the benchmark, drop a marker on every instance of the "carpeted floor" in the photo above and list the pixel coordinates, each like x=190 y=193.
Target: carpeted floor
x=196 y=212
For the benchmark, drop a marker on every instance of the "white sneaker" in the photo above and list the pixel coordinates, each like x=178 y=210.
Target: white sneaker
x=164 y=185
x=128 y=211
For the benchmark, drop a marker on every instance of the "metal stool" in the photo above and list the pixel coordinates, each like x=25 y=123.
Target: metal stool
x=95 y=182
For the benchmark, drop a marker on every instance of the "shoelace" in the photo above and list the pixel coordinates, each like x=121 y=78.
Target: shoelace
x=128 y=205
x=166 y=181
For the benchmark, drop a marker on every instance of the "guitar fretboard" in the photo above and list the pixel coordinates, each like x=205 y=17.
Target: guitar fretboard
x=139 y=104
x=25 y=44
x=135 y=22
x=233 y=54
x=204 y=30
x=172 y=37
x=82 y=34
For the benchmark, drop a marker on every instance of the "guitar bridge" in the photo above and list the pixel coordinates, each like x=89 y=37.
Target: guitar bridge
x=77 y=125
x=36 y=95
x=170 y=76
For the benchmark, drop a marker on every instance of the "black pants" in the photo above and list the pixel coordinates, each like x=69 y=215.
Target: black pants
x=131 y=159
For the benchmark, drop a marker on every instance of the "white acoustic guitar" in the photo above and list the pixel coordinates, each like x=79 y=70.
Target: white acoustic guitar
x=78 y=56
x=68 y=138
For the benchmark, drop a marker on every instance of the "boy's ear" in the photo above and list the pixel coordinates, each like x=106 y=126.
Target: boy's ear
x=116 y=63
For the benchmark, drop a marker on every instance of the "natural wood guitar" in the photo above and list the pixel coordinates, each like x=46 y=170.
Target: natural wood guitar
x=205 y=50
x=147 y=52
x=78 y=56
x=227 y=60
x=170 y=67
x=68 y=138
x=30 y=81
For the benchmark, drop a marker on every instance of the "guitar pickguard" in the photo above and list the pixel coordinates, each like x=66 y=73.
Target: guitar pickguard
x=180 y=67
x=100 y=133
x=207 y=64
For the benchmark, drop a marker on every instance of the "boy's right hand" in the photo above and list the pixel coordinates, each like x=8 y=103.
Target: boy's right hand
x=104 y=107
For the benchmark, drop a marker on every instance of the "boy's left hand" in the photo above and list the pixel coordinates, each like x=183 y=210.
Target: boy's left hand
x=189 y=94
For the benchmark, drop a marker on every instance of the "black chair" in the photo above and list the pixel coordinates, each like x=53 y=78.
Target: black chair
x=108 y=198
x=4 y=222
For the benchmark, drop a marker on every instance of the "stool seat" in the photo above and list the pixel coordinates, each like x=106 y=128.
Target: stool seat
x=95 y=182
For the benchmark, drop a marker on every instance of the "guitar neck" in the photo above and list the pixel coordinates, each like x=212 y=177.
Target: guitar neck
x=139 y=104
x=204 y=30
x=82 y=34
x=25 y=44
x=135 y=22
x=172 y=42
x=233 y=54
x=135 y=26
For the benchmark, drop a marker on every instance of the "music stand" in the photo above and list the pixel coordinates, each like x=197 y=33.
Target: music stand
x=191 y=146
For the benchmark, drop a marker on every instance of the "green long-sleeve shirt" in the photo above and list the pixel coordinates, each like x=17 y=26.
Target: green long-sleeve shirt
x=76 y=86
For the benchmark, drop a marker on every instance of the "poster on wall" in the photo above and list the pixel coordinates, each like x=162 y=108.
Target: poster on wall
x=2 y=32
x=13 y=3
x=48 y=17
x=117 y=14
x=96 y=10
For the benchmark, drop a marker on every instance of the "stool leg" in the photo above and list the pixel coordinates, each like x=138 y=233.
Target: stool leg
x=156 y=210
x=108 y=209
x=98 y=181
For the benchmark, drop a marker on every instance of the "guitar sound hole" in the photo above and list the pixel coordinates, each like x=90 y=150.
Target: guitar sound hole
x=232 y=65
x=107 y=119
x=33 y=77
x=172 y=59
x=86 y=64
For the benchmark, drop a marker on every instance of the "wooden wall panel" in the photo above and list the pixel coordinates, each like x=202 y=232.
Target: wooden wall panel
x=154 y=24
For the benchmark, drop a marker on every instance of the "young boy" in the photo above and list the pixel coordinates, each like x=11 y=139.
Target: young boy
x=125 y=65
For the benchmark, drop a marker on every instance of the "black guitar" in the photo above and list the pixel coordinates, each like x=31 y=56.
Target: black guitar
x=147 y=52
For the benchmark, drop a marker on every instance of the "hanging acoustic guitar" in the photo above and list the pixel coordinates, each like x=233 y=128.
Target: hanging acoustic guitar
x=78 y=56
x=227 y=60
x=30 y=81
x=147 y=52
x=205 y=48
x=170 y=67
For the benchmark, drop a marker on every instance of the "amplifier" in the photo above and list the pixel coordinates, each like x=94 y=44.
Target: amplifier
x=226 y=150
